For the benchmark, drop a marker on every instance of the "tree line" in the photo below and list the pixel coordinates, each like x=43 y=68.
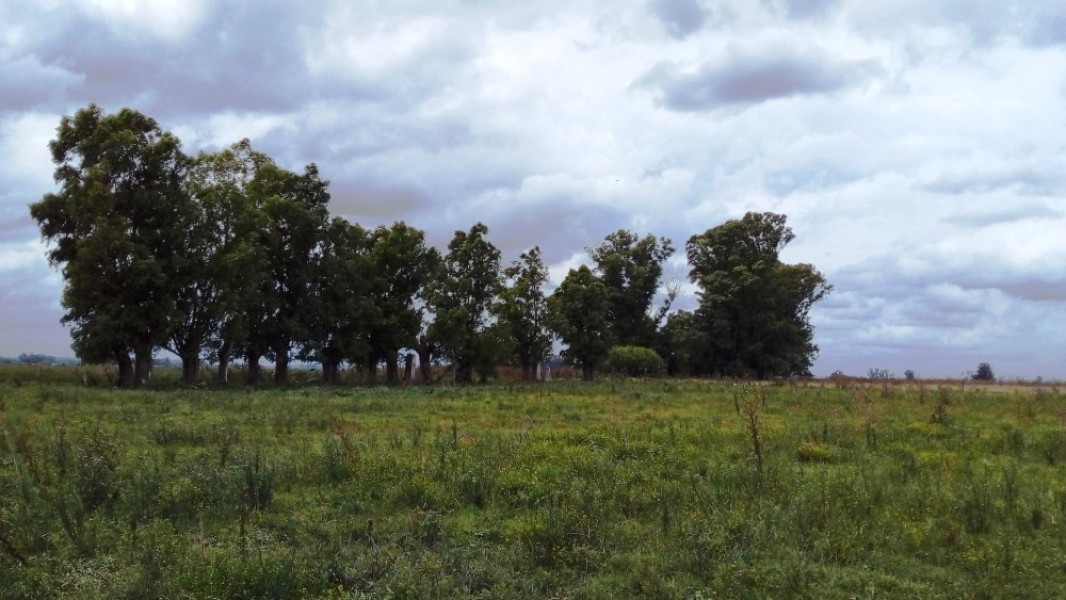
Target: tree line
x=227 y=256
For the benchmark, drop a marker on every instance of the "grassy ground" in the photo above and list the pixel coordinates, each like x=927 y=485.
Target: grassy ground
x=654 y=489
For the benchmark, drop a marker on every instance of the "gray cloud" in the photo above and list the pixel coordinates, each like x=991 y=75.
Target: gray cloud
x=803 y=9
x=363 y=201
x=747 y=77
x=29 y=83
x=979 y=217
x=817 y=175
x=680 y=18
x=904 y=190
x=1027 y=179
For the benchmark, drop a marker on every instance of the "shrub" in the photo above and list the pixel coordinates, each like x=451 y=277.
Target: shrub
x=634 y=361
x=984 y=373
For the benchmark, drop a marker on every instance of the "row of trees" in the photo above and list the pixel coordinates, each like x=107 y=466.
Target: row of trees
x=226 y=255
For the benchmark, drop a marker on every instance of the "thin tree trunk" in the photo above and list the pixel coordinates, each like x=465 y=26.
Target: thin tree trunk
x=255 y=372
x=425 y=362
x=392 y=369
x=372 y=371
x=586 y=372
x=142 y=366
x=223 y=362
x=125 y=368
x=408 y=367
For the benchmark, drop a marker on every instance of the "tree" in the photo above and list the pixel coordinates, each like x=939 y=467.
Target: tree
x=461 y=298
x=682 y=344
x=217 y=254
x=754 y=309
x=115 y=226
x=578 y=311
x=293 y=212
x=521 y=311
x=631 y=267
x=984 y=373
x=401 y=265
x=341 y=308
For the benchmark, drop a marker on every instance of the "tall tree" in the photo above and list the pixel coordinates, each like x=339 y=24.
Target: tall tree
x=461 y=298
x=401 y=265
x=340 y=307
x=294 y=207
x=217 y=253
x=578 y=312
x=521 y=310
x=631 y=268
x=754 y=309
x=115 y=225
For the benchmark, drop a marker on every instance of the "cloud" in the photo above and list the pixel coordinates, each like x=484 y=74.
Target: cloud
x=751 y=75
x=803 y=9
x=365 y=201
x=29 y=84
x=1025 y=178
x=680 y=18
x=915 y=146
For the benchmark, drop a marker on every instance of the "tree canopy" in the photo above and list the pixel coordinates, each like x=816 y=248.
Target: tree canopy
x=753 y=313
x=229 y=255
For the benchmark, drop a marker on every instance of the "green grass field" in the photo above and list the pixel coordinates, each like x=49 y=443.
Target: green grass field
x=643 y=489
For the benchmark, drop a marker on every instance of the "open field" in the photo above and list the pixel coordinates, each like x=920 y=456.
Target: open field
x=657 y=489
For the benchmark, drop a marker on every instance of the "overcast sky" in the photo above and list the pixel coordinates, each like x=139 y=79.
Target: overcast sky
x=918 y=148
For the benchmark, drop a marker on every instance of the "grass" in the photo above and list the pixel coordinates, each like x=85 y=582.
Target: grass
x=652 y=489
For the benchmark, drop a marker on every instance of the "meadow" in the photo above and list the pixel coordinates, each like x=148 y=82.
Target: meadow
x=615 y=489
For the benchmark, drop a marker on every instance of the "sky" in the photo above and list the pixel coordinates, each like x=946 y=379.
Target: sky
x=918 y=148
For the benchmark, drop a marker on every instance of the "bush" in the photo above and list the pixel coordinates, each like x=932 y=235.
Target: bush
x=984 y=373
x=634 y=361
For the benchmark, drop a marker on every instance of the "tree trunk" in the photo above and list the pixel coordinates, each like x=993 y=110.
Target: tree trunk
x=408 y=367
x=255 y=372
x=464 y=372
x=142 y=366
x=190 y=367
x=529 y=371
x=392 y=369
x=223 y=362
x=281 y=366
x=586 y=372
x=331 y=370
x=372 y=372
x=425 y=362
x=125 y=368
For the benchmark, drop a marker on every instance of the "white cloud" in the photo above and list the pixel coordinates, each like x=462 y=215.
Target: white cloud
x=916 y=147
x=169 y=20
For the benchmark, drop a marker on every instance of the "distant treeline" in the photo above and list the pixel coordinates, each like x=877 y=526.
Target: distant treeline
x=37 y=359
x=226 y=255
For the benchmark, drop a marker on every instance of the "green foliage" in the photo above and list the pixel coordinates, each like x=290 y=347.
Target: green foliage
x=461 y=298
x=115 y=225
x=522 y=309
x=577 y=311
x=984 y=373
x=753 y=310
x=634 y=361
x=401 y=268
x=631 y=267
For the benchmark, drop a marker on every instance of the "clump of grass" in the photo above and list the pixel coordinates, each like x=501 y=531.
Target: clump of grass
x=812 y=451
